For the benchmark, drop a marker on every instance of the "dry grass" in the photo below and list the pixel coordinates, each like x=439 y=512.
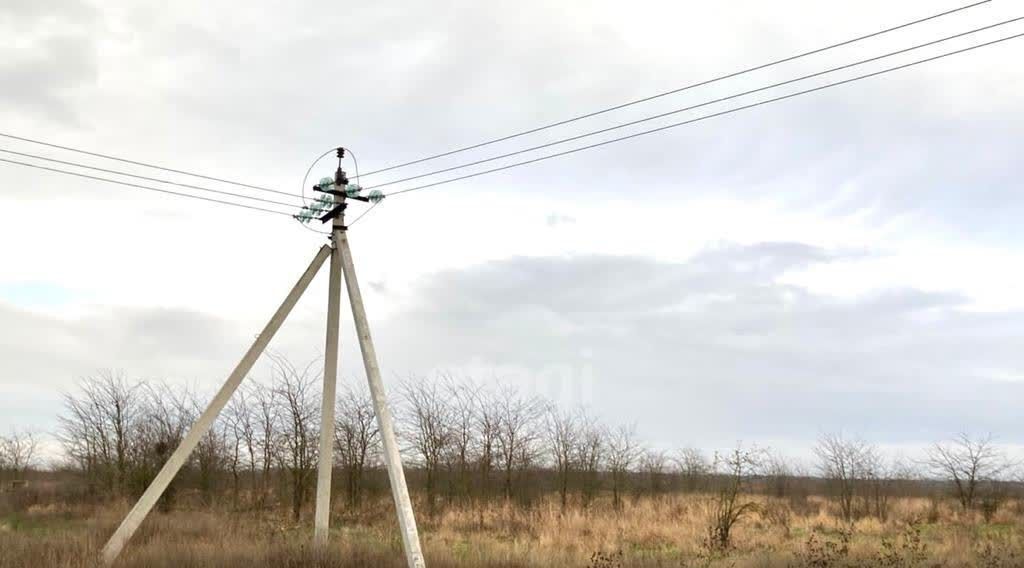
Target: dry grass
x=647 y=532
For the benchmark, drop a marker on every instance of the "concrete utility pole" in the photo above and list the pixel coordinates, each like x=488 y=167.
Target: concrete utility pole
x=325 y=467
x=159 y=484
x=341 y=264
x=342 y=256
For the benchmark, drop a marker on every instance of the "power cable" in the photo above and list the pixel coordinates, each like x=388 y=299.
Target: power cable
x=679 y=90
x=143 y=164
x=706 y=117
x=696 y=106
x=158 y=180
x=364 y=213
x=124 y=183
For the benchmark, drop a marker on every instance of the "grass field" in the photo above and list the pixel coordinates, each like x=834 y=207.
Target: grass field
x=658 y=531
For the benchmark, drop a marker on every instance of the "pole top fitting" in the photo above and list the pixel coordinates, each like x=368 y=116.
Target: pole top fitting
x=341 y=152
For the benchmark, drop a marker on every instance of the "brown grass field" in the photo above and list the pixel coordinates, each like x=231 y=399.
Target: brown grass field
x=647 y=531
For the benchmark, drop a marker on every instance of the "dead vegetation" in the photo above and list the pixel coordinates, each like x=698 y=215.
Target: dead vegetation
x=646 y=531
x=499 y=479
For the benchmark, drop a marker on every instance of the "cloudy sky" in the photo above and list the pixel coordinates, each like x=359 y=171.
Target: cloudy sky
x=847 y=260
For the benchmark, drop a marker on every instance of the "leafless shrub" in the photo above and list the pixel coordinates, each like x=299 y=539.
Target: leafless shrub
x=240 y=439
x=562 y=436
x=693 y=467
x=356 y=439
x=730 y=502
x=463 y=399
x=518 y=434
x=844 y=463
x=98 y=428
x=427 y=428
x=18 y=453
x=968 y=463
x=907 y=550
x=822 y=552
x=591 y=450
x=298 y=429
x=623 y=451
x=654 y=466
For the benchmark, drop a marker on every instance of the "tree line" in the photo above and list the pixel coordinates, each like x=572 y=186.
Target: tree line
x=466 y=443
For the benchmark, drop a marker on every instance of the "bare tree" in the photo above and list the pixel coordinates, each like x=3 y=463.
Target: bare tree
x=487 y=418
x=463 y=398
x=693 y=468
x=654 y=464
x=164 y=416
x=18 y=452
x=778 y=472
x=267 y=417
x=98 y=426
x=299 y=419
x=241 y=439
x=427 y=428
x=562 y=436
x=356 y=438
x=5 y=462
x=728 y=504
x=591 y=449
x=517 y=434
x=844 y=462
x=968 y=463
x=623 y=451
x=210 y=455
x=79 y=435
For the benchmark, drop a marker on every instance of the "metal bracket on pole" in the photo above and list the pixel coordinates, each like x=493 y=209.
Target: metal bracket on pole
x=159 y=484
x=337 y=212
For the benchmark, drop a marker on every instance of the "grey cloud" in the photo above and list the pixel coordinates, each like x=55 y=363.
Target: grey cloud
x=42 y=355
x=718 y=348
x=706 y=351
x=56 y=56
x=141 y=334
x=598 y=284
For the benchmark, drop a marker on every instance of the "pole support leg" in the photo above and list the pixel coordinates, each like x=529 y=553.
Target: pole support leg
x=159 y=484
x=392 y=458
x=322 y=515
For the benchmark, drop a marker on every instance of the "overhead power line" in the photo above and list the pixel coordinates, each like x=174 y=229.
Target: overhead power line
x=135 y=185
x=678 y=90
x=363 y=214
x=158 y=180
x=709 y=116
x=696 y=106
x=144 y=164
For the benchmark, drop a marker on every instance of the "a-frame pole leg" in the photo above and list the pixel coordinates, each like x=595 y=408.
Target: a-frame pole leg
x=392 y=459
x=145 y=503
x=321 y=519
